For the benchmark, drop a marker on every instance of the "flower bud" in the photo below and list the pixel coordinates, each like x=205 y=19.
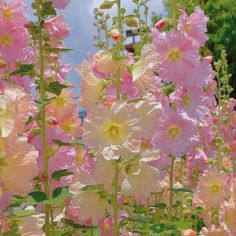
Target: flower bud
x=161 y=24
x=115 y=34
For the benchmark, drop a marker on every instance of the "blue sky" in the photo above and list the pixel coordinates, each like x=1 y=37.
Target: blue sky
x=79 y=15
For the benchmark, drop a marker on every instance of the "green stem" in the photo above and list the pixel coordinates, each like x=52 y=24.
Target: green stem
x=115 y=200
x=119 y=48
x=148 y=215
x=181 y=194
x=174 y=10
x=42 y=95
x=170 y=213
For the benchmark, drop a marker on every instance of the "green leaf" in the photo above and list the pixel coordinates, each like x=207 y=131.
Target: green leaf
x=61 y=143
x=92 y=187
x=50 y=49
x=24 y=213
x=182 y=190
x=58 y=174
x=38 y=196
x=25 y=69
x=161 y=205
x=138 y=218
x=58 y=196
x=56 y=88
x=48 y=10
x=107 y=5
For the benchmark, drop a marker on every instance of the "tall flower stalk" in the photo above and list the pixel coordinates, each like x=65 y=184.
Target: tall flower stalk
x=42 y=97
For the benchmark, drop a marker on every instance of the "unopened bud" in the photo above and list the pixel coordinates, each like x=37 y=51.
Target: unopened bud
x=161 y=24
x=115 y=34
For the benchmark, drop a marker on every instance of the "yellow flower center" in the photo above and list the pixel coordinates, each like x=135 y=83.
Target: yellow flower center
x=106 y=226
x=7 y=13
x=5 y=40
x=187 y=27
x=114 y=131
x=186 y=99
x=61 y=101
x=174 y=131
x=215 y=187
x=2 y=154
x=68 y=127
x=174 y=55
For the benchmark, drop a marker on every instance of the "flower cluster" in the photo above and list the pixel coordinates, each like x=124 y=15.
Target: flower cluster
x=154 y=153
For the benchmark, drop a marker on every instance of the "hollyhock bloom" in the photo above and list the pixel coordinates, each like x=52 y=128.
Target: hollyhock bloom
x=101 y=174
x=105 y=62
x=192 y=100
x=15 y=162
x=142 y=71
x=201 y=74
x=189 y=232
x=32 y=225
x=214 y=231
x=175 y=134
x=195 y=25
x=211 y=188
x=91 y=85
x=176 y=52
x=5 y=200
x=57 y=28
x=148 y=110
x=141 y=179
x=61 y=4
x=106 y=226
x=228 y=216
x=15 y=106
x=117 y=127
x=12 y=40
x=127 y=88
x=91 y=204
x=14 y=12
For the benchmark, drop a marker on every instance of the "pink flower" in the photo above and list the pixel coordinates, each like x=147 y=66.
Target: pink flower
x=90 y=84
x=117 y=128
x=106 y=226
x=61 y=4
x=228 y=216
x=57 y=28
x=201 y=74
x=214 y=231
x=189 y=232
x=32 y=225
x=12 y=40
x=212 y=187
x=16 y=106
x=191 y=100
x=14 y=13
x=141 y=179
x=176 y=52
x=195 y=25
x=15 y=162
x=175 y=133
